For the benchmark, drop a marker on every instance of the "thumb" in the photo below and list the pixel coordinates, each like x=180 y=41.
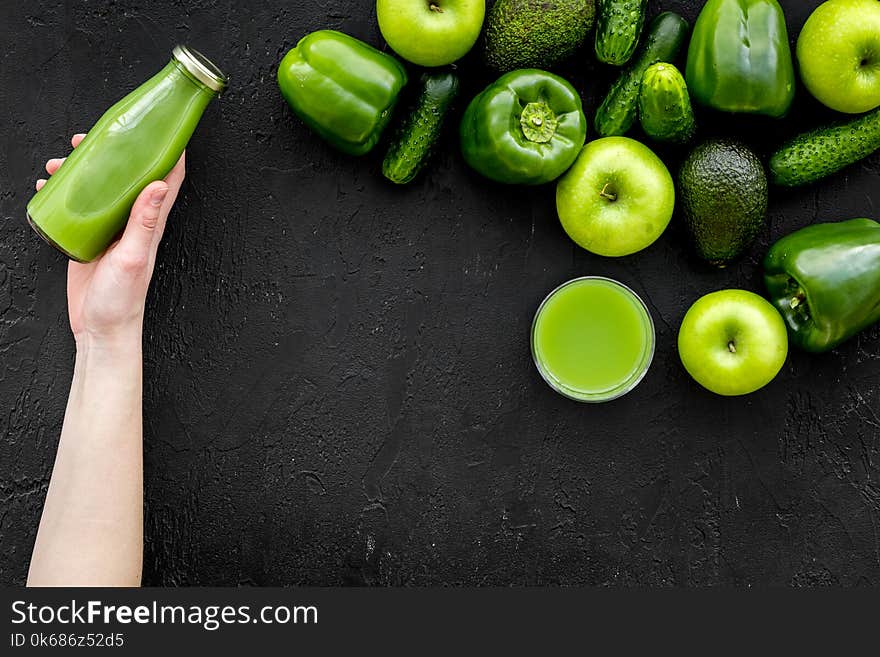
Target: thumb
x=136 y=248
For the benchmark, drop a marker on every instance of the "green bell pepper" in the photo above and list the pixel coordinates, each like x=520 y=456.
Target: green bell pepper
x=739 y=59
x=342 y=88
x=527 y=127
x=825 y=280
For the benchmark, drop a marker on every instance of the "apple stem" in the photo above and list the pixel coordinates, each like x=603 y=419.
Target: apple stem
x=731 y=346
x=435 y=8
x=611 y=196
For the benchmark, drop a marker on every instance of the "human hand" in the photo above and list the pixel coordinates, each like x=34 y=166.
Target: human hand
x=105 y=298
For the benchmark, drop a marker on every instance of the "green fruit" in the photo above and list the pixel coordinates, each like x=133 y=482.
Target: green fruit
x=617 y=198
x=618 y=28
x=838 y=51
x=412 y=145
x=664 y=105
x=430 y=33
x=732 y=342
x=821 y=152
x=617 y=113
x=723 y=192
x=535 y=33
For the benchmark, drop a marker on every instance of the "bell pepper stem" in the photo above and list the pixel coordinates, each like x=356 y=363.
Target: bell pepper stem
x=797 y=299
x=538 y=122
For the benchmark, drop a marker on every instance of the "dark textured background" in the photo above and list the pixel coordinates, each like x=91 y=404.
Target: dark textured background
x=338 y=380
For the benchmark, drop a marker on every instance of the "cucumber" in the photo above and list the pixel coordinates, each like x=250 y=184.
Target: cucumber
x=412 y=144
x=666 y=35
x=618 y=29
x=819 y=153
x=665 y=108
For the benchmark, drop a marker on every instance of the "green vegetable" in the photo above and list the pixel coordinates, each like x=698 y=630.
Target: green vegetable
x=413 y=143
x=618 y=28
x=341 y=88
x=665 y=106
x=825 y=280
x=739 y=59
x=820 y=153
x=525 y=128
x=535 y=33
x=723 y=193
x=618 y=111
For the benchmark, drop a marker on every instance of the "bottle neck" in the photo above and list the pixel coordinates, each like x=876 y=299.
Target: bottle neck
x=175 y=67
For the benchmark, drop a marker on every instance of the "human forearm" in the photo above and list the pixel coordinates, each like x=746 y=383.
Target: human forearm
x=91 y=531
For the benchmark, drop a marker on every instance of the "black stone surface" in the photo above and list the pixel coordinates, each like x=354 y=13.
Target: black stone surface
x=338 y=386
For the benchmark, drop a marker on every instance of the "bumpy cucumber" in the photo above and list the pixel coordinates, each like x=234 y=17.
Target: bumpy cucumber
x=665 y=106
x=412 y=144
x=819 y=153
x=666 y=35
x=618 y=29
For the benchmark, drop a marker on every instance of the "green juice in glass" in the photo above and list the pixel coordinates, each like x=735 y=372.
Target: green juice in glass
x=592 y=339
x=85 y=205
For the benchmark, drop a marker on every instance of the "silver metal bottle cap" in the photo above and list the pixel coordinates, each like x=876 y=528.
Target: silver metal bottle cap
x=200 y=67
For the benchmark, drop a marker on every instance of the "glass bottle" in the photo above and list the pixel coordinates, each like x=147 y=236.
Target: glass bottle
x=86 y=203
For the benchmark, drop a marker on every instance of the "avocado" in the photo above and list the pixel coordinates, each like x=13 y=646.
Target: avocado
x=535 y=33
x=723 y=191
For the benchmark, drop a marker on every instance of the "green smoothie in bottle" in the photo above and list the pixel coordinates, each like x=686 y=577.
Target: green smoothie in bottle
x=138 y=140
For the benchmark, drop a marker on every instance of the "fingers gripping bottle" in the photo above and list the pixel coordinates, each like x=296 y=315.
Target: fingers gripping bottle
x=86 y=203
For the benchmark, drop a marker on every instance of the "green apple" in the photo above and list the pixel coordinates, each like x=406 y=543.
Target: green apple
x=431 y=32
x=617 y=198
x=839 y=55
x=732 y=342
